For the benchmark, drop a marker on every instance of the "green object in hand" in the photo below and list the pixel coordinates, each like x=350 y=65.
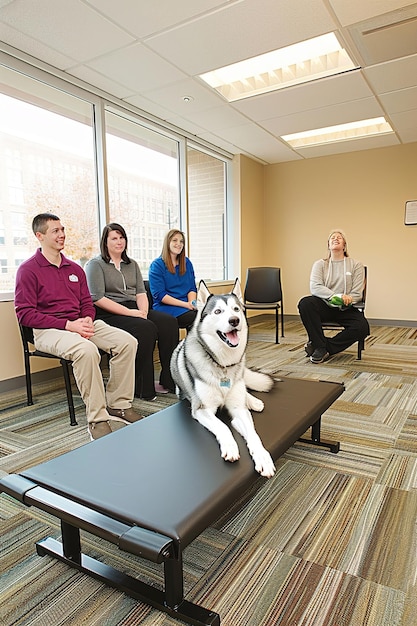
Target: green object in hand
x=336 y=299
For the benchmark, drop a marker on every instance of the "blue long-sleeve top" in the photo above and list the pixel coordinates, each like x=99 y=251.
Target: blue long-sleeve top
x=163 y=283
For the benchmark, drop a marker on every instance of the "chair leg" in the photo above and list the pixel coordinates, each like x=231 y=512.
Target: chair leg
x=28 y=381
x=361 y=346
x=68 y=389
x=276 y=326
x=282 y=320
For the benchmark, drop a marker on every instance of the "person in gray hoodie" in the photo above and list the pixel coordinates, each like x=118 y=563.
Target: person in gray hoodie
x=336 y=283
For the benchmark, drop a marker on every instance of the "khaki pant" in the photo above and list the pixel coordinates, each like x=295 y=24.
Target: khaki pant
x=85 y=357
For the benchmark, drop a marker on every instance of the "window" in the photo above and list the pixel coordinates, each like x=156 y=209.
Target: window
x=206 y=210
x=46 y=143
x=143 y=184
x=56 y=159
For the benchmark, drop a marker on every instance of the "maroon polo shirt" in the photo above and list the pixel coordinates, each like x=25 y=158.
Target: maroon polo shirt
x=47 y=296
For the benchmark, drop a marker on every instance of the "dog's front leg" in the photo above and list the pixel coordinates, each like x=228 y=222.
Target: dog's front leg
x=243 y=422
x=253 y=403
x=228 y=447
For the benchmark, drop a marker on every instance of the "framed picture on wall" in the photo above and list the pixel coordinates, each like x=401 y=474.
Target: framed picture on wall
x=410 y=217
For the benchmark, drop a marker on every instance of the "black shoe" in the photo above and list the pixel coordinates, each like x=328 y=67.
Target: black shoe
x=319 y=355
x=309 y=348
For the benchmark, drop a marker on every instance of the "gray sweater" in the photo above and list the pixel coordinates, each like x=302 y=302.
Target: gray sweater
x=337 y=277
x=104 y=279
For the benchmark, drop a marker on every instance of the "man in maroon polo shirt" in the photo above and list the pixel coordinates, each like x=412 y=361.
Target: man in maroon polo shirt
x=52 y=297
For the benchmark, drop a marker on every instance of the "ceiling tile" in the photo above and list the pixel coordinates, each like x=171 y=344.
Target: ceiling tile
x=147 y=105
x=136 y=67
x=405 y=123
x=103 y=83
x=351 y=11
x=69 y=26
x=323 y=117
x=171 y=97
x=214 y=40
x=254 y=140
x=320 y=93
x=21 y=41
x=393 y=75
x=217 y=119
x=216 y=140
x=402 y=100
x=147 y=18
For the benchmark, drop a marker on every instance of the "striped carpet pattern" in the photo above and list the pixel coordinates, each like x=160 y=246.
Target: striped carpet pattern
x=330 y=540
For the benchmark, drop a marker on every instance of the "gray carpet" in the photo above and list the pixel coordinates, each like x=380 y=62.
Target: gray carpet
x=330 y=541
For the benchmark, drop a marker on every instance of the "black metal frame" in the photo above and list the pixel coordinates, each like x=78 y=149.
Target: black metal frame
x=27 y=338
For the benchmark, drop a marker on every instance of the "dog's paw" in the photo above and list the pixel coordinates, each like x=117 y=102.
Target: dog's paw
x=254 y=404
x=264 y=463
x=229 y=450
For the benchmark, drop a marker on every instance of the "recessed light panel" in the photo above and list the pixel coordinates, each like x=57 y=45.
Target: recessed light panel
x=299 y=63
x=342 y=132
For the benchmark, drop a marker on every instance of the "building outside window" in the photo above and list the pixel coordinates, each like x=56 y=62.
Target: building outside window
x=51 y=163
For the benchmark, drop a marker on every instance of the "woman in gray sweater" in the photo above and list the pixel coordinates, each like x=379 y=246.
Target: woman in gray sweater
x=116 y=286
x=336 y=283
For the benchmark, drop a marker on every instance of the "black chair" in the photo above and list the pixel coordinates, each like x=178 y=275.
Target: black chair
x=27 y=339
x=148 y=293
x=358 y=305
x=263 y=291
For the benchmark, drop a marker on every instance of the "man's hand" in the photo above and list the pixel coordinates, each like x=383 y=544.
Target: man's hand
x=84 y=326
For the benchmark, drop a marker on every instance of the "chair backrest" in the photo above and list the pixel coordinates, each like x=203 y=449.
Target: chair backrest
x=148 y=293
x=27 y=335
x=263 y=284
x=365 y=284
x=361 y=305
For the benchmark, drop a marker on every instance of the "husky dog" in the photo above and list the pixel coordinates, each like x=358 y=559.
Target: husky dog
x=208 y=367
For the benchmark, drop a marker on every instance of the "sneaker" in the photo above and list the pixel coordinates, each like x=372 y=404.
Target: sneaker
x=319 y=355
x=125 y=415
x=98 y=429
x=160 y=388
x=309 y=348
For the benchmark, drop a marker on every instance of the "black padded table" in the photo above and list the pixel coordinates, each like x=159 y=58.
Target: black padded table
x=154 y=486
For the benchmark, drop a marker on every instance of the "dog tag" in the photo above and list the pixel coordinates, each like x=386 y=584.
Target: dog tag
x=225 y=382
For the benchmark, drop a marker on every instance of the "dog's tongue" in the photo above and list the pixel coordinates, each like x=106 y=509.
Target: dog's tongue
x=233 y=337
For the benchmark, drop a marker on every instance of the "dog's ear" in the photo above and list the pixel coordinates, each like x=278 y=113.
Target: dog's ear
x=237 y=290
x=203 y=293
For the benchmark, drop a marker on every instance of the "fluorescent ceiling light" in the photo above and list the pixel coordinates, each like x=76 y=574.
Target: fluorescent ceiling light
x=299 y=63
x=342 y=132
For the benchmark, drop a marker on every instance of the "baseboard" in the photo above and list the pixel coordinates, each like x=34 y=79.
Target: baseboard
x=38 y=377
x=255 y=319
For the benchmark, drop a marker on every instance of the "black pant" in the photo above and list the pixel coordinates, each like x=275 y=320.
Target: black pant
x=186 y=320
x=314 y=311
x=158 y=326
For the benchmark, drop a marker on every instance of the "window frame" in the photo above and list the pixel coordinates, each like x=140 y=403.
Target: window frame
x=102 y=102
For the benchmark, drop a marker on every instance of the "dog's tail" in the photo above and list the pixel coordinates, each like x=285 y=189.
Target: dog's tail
x=258 y=381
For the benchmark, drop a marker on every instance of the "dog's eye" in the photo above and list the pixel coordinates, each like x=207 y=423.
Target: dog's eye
x=217 y=311
x=237 y=308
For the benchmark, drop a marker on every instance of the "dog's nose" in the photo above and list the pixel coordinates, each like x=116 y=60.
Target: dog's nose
x=234 y=321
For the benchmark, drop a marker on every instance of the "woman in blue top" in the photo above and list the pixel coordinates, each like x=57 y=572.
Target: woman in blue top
x=172 y=280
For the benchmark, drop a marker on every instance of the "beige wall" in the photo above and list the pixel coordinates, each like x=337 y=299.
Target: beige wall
x=363 y=193
x=287 y=211
x=252 y=208
x=12 y=364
